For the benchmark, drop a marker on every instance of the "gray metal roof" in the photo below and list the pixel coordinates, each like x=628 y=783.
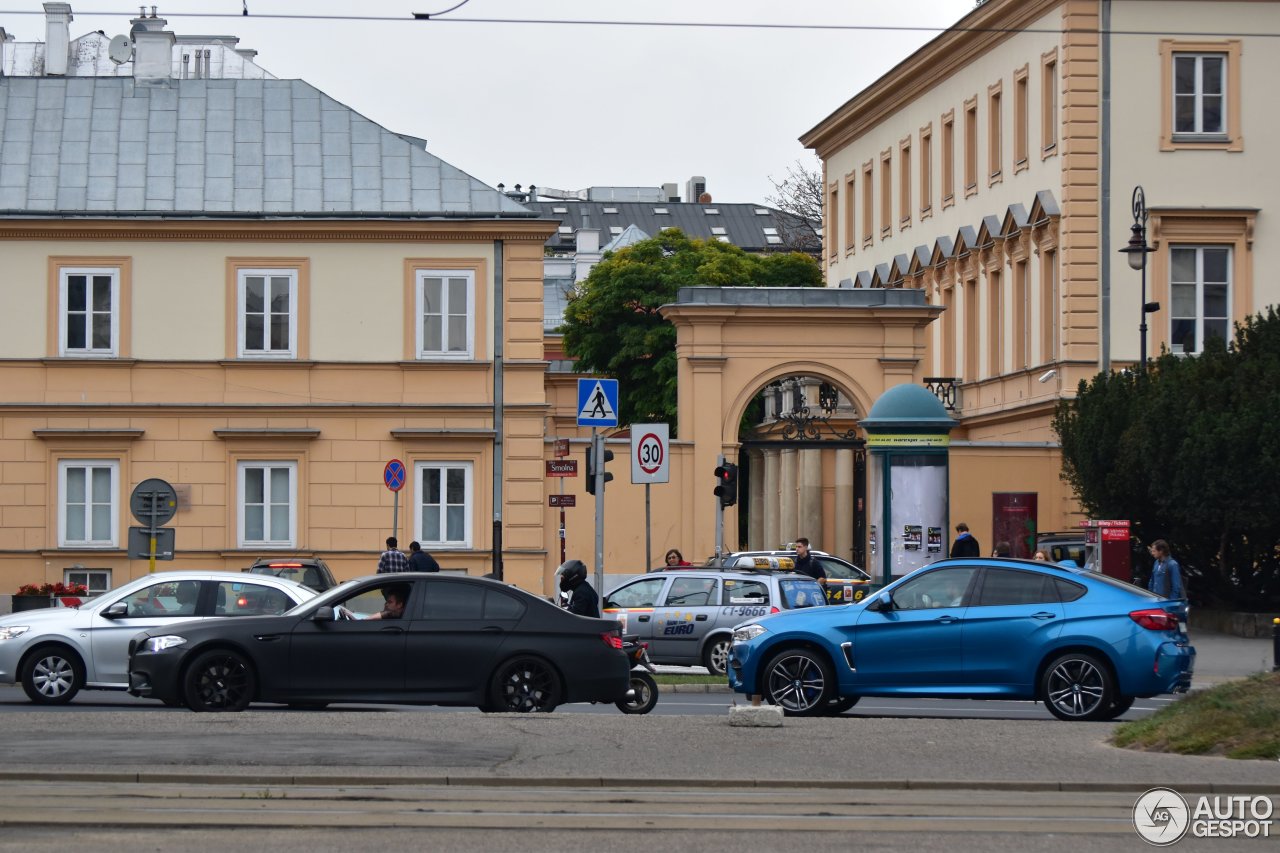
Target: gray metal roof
x=742 y=225
x=120 y=147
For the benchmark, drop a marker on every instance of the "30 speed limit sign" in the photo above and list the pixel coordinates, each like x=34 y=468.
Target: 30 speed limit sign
x=650 y=462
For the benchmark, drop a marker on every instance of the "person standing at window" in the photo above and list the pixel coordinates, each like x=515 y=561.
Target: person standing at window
x=1166 y=574
x=420 y=560
x=392 y=560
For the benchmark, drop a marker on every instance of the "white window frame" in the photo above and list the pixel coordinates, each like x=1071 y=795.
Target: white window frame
x=420 y=500
x=1199 y=249
x=64 y=321
x=242 y=283
x=113 y=541
x=1199 y=94
x=89 y=578
x=420 y=306
x=266 y=464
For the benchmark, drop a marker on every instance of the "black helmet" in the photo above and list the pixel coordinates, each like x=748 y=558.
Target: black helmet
x=572 y=573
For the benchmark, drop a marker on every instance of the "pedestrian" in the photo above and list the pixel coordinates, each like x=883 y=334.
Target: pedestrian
x=420 y=560
x=1003 y=549
x=805 y=562
x=965 y=545
x=1041 y=557
x=675 y=558
x=1166 y=574
x=392 y=560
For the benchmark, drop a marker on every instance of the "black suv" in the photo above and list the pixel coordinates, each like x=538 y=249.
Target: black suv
x=309 y=571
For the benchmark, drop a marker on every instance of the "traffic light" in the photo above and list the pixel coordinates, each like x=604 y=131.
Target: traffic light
x=727 y=484
x=591 y=469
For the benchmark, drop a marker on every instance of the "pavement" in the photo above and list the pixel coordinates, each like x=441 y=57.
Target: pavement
x=1219 y=658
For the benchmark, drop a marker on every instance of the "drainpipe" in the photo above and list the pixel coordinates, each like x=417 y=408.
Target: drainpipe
x=498 y=307
x=1104 y=196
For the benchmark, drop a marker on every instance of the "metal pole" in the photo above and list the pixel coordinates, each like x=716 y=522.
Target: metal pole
x=395 y=514
x=1275 y=645
x=153 y=500
x=597 y=459
x=1142 y=327
x=648 y=530
x=562 y=554
x=499 y=414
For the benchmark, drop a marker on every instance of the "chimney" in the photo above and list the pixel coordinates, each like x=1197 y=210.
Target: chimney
x=152 y=47
x=57 y=38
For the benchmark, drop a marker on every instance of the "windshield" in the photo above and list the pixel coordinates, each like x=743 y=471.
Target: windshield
x=800 y=592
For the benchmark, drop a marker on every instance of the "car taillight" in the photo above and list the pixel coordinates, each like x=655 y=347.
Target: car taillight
x=285 y=566
x=1155 y=619
x=774 y=609
x=613 y=641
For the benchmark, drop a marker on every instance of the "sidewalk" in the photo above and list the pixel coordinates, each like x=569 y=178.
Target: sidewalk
x=1219 y=658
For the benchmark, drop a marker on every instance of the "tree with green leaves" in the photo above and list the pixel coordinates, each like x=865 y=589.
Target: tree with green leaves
x=612 y=325
x=1190 y=452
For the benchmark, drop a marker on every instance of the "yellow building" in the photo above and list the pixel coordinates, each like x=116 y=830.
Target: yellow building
x=245 y=288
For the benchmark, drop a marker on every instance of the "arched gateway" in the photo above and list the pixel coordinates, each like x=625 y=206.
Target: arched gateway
x=832 y=351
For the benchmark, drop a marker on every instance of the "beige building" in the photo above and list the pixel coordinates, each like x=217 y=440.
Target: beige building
x=238 y=285
x=990 y=171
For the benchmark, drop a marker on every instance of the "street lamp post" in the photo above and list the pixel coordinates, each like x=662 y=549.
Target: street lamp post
x=1137 y=250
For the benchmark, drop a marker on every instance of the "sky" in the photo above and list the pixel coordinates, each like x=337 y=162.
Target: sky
x=563 y=105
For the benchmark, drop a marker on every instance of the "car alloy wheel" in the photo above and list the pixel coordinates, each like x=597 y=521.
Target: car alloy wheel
x=220 y=681
x=798 y=680
x=53 y=676
x=524 y=685
x=716 y=656
x=1078 y=686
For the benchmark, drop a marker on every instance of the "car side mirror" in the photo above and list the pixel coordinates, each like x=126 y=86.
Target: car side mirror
x=883 y=604
x=322 y=614
x=118 y=610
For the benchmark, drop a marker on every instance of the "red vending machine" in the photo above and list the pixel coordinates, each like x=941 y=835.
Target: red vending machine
x=1106 y=548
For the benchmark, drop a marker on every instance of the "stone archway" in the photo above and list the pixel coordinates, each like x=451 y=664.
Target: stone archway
x=733 y=341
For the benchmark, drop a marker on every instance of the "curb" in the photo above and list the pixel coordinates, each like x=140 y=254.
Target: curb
x=1266 y=789
x=694 y=688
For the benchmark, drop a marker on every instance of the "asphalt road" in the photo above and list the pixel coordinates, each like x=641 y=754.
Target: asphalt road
x=14 y=701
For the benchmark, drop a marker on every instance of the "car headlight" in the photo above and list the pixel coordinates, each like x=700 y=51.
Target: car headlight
x=9 y=632
x=743 y=633
x=159 y=644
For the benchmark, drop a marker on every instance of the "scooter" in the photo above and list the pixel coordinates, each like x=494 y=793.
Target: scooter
x=643 y=694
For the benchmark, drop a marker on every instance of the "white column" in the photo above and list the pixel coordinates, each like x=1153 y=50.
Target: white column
x=756 y=510
x=844 y=504
x=788 y=469
x=809 y=519
x=772 y=498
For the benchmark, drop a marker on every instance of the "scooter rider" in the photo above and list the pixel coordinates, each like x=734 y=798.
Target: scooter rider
x=582 y=598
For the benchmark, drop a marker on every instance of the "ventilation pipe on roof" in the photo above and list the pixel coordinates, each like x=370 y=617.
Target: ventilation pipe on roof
x=57 y=38
x=153 y=47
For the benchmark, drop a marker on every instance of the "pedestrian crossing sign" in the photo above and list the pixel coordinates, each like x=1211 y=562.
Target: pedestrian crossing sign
x=598 y=402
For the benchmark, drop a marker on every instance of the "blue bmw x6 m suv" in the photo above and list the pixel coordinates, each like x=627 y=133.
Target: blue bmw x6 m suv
x=1083 y=643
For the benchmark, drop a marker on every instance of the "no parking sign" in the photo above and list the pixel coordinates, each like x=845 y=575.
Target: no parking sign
x=650 y=457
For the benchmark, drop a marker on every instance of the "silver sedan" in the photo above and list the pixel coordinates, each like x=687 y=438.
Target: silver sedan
x=57 y=652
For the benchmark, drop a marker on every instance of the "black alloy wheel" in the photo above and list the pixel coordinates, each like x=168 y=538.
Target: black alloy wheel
x=800 y=681
x=53 y=675
x=715 y=657
x=1078 y=686
x=525 y=685
x=219 y=680
x=644 y=694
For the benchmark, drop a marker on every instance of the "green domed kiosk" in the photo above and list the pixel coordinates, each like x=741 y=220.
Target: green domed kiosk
x=908 y=481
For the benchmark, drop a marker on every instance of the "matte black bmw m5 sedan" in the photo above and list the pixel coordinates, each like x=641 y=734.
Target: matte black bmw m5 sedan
x=405 y=638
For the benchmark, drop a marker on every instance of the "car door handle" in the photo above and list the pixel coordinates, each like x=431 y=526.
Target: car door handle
x=393 y=629
x=644 y=618
x=267 y=638
x=491 y=629
x=1043 y=615
x=946 y=620
x=702 y=617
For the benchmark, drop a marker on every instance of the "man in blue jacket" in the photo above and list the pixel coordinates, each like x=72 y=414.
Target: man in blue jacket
x=1166 y=574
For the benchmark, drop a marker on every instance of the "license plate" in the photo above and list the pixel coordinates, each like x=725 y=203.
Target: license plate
x=1182 y=626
